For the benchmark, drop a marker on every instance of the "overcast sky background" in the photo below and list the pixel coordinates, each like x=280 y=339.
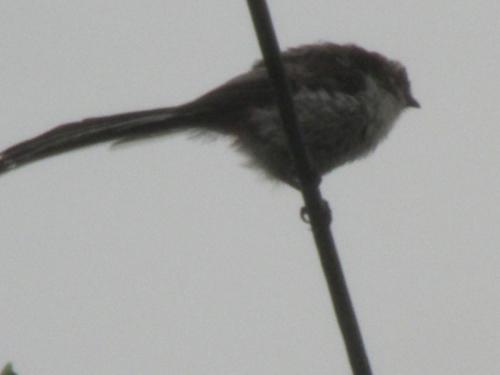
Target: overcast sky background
x=168 y=257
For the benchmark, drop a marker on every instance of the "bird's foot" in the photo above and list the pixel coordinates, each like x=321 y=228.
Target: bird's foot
x=325 y=210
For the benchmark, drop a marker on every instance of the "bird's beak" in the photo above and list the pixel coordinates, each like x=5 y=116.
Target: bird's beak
x=412 y=102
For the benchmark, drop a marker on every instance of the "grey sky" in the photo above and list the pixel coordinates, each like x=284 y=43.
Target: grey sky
x=168 y=257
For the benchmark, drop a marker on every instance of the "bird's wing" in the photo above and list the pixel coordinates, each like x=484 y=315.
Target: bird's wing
x=247 y=90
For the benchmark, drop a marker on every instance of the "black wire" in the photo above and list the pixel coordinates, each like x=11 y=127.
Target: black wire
x=317 y=208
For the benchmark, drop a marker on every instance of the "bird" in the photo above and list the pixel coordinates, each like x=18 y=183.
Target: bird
x=346 y=99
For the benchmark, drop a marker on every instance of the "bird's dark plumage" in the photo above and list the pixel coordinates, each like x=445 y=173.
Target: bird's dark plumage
x=346 y=99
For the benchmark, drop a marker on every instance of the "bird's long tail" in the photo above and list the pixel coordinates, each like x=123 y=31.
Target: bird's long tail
x=90 y=131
